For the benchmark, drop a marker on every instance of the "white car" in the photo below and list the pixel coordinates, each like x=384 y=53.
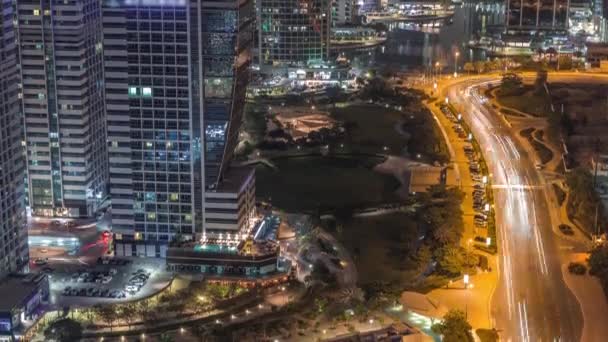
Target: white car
x=106 y=280
x=132 y=288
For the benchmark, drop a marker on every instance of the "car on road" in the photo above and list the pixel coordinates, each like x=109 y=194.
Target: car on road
x=55 y=223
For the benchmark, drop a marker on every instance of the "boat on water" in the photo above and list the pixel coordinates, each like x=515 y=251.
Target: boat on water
x=423 y=14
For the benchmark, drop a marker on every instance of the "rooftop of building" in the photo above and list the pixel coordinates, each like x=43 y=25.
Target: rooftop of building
x=234 y=179
x=15 y=289
x=233 y=247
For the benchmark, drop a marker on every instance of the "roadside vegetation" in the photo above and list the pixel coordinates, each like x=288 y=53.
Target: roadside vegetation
x=197 y=298
x=598 y=265
x=454 y=327
x=584 y=205
x=417 y=250
x=544 y=154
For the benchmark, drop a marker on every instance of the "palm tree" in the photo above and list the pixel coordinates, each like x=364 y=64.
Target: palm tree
x=468 y=67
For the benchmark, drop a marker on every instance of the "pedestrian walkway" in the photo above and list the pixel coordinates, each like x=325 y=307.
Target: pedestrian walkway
x=476 y=299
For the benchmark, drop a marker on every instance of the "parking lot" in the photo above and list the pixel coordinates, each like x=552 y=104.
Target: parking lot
x=478 y=180
x=109 y=280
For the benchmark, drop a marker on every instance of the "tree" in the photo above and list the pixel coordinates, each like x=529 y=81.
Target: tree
x=584 y=203
x=480 y=66
x=321 y=304
x=598 y=260
x=143 y=308
x=469 y=67
x=454 y=327
x=65 y=329
x=564 y=62
x=540 y=81
x=449 y=260
x=511 y=84
x=106 y=313
x=334 y=93
x=490 y=65
x=128 y=313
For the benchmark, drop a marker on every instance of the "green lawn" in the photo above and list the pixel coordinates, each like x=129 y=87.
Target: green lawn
x=528 y=102
x=371 y=127
x=307 y=183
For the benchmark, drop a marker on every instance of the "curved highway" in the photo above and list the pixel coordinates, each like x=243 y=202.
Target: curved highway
x=531 y=301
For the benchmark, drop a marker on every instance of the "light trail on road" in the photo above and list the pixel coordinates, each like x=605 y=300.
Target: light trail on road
x=532 y=302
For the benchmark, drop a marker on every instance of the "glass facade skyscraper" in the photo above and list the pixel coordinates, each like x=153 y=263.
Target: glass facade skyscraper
x=293 y=32
x=60 y=50
x=13 y=244
x=537 y=14
x=176 y=74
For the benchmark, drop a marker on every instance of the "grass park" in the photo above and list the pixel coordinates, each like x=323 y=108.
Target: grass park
x=385 y=248
x=311 y=183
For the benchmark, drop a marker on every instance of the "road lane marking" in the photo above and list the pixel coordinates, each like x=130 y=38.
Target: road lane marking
x=517 y=186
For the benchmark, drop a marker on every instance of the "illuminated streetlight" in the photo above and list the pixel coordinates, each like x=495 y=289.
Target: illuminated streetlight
x=143 y=336
x=459 y=117
x=447 y=100
x=488 y=241
x=485 y=179
x=456 y=63
x=466 y=281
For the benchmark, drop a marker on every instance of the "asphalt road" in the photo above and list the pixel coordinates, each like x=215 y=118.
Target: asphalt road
x=531 y=301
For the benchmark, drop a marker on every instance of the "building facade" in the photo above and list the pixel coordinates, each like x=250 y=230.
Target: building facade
x=293 y=32
x=343 y=12
x=60 y=51
x=175 y=75
x=13 y=244
x=539 y=14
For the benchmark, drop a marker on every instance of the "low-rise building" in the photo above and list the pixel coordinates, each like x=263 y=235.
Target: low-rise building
x=226 y=258
x=596 y=53
x=20 y=304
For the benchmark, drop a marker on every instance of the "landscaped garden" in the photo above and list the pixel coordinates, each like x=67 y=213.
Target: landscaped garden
x=312 y=183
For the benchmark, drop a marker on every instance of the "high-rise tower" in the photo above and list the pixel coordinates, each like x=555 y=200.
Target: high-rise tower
x=61 y=56
x=293 y=31
x=13 y=244
x=176 y=74
x=537 y=14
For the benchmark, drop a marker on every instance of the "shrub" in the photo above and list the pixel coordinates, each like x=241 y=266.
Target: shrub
x=566 y=229
x=577 y=268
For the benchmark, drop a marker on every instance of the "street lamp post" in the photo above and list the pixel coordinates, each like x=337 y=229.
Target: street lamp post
x=436 y=70
x=456 y=63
